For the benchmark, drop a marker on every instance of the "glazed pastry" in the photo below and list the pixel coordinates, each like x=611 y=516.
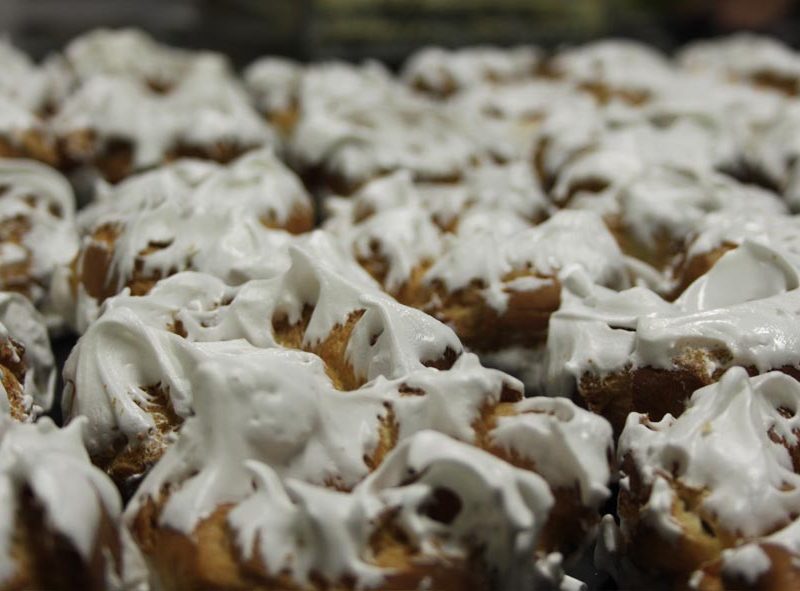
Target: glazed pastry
x=24 y=135
x=396 y=228
x=345 y=138
x=320 y=302
x=362 y=363
x=732 y=113
x=60 y=514
x=697 y=487
x=133 y=54
x=752 y=59
x=231 y=221
x=720 y=232
x=633 y=351
x=27 y=366
x=499 y=290
x=411 y=524
x=655 y=212
x=613 y=69
x=510 y=116
x=213 y=453
x=117 y=126
x=274 y=83
x=483 y=268
x=37 y=228
x=768 y=563
x=284 y=90
x=442 y=72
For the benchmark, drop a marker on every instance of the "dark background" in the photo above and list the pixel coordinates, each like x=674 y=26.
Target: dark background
x=390 y=29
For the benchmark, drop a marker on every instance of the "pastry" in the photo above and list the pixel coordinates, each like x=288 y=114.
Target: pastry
x=231 y=221
x=60 y=515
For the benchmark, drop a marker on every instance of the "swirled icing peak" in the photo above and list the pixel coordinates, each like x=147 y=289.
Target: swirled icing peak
x=75 y=498
x=733 y=444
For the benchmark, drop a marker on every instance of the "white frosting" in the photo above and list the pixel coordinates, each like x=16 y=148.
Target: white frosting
x=616 y=63
x=738 y=226
x=206 y=108
x=207 y=218
x=742 y=55
x=38 y=194
x=302 y=529
x=53 y=464
x=509 y=116
x=568 y=445
x=131 y=53
x=748 y=562
x=600 y=331
x=775 y=150
x=667 y=201
x=569 y=238
x=129 y=347
x=405 y=222
x=20 y=321
x=733 y=112
x=379 y=128
x=273 y=82
x=644 y=170
x=16 y=119
x=20 y=79
x=721 y=445
x=439 y=70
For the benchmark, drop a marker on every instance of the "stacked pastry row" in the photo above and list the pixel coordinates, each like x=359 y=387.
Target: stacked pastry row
x=287 y=408
x=247 y=408
x=225 y=349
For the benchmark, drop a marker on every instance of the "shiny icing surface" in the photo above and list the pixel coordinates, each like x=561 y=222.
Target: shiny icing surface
x=546 y=249
x=300 y=529
x=600 y=331
x=132 y=337
x=732 y=442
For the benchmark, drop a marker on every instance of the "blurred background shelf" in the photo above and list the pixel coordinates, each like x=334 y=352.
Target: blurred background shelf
x=389 y=29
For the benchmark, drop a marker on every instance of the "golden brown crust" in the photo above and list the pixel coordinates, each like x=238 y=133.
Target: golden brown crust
x=32 y=144
x=785 y=84
x=300 y=220
x=210 y=560
x=284 y=121
x=112 y=157
x=687 y=269
x=12 y=376
x=479 y=325
x=569 y=521
x=333 y=349
x=131 y=459
x=700 y=540
x=660 y=253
